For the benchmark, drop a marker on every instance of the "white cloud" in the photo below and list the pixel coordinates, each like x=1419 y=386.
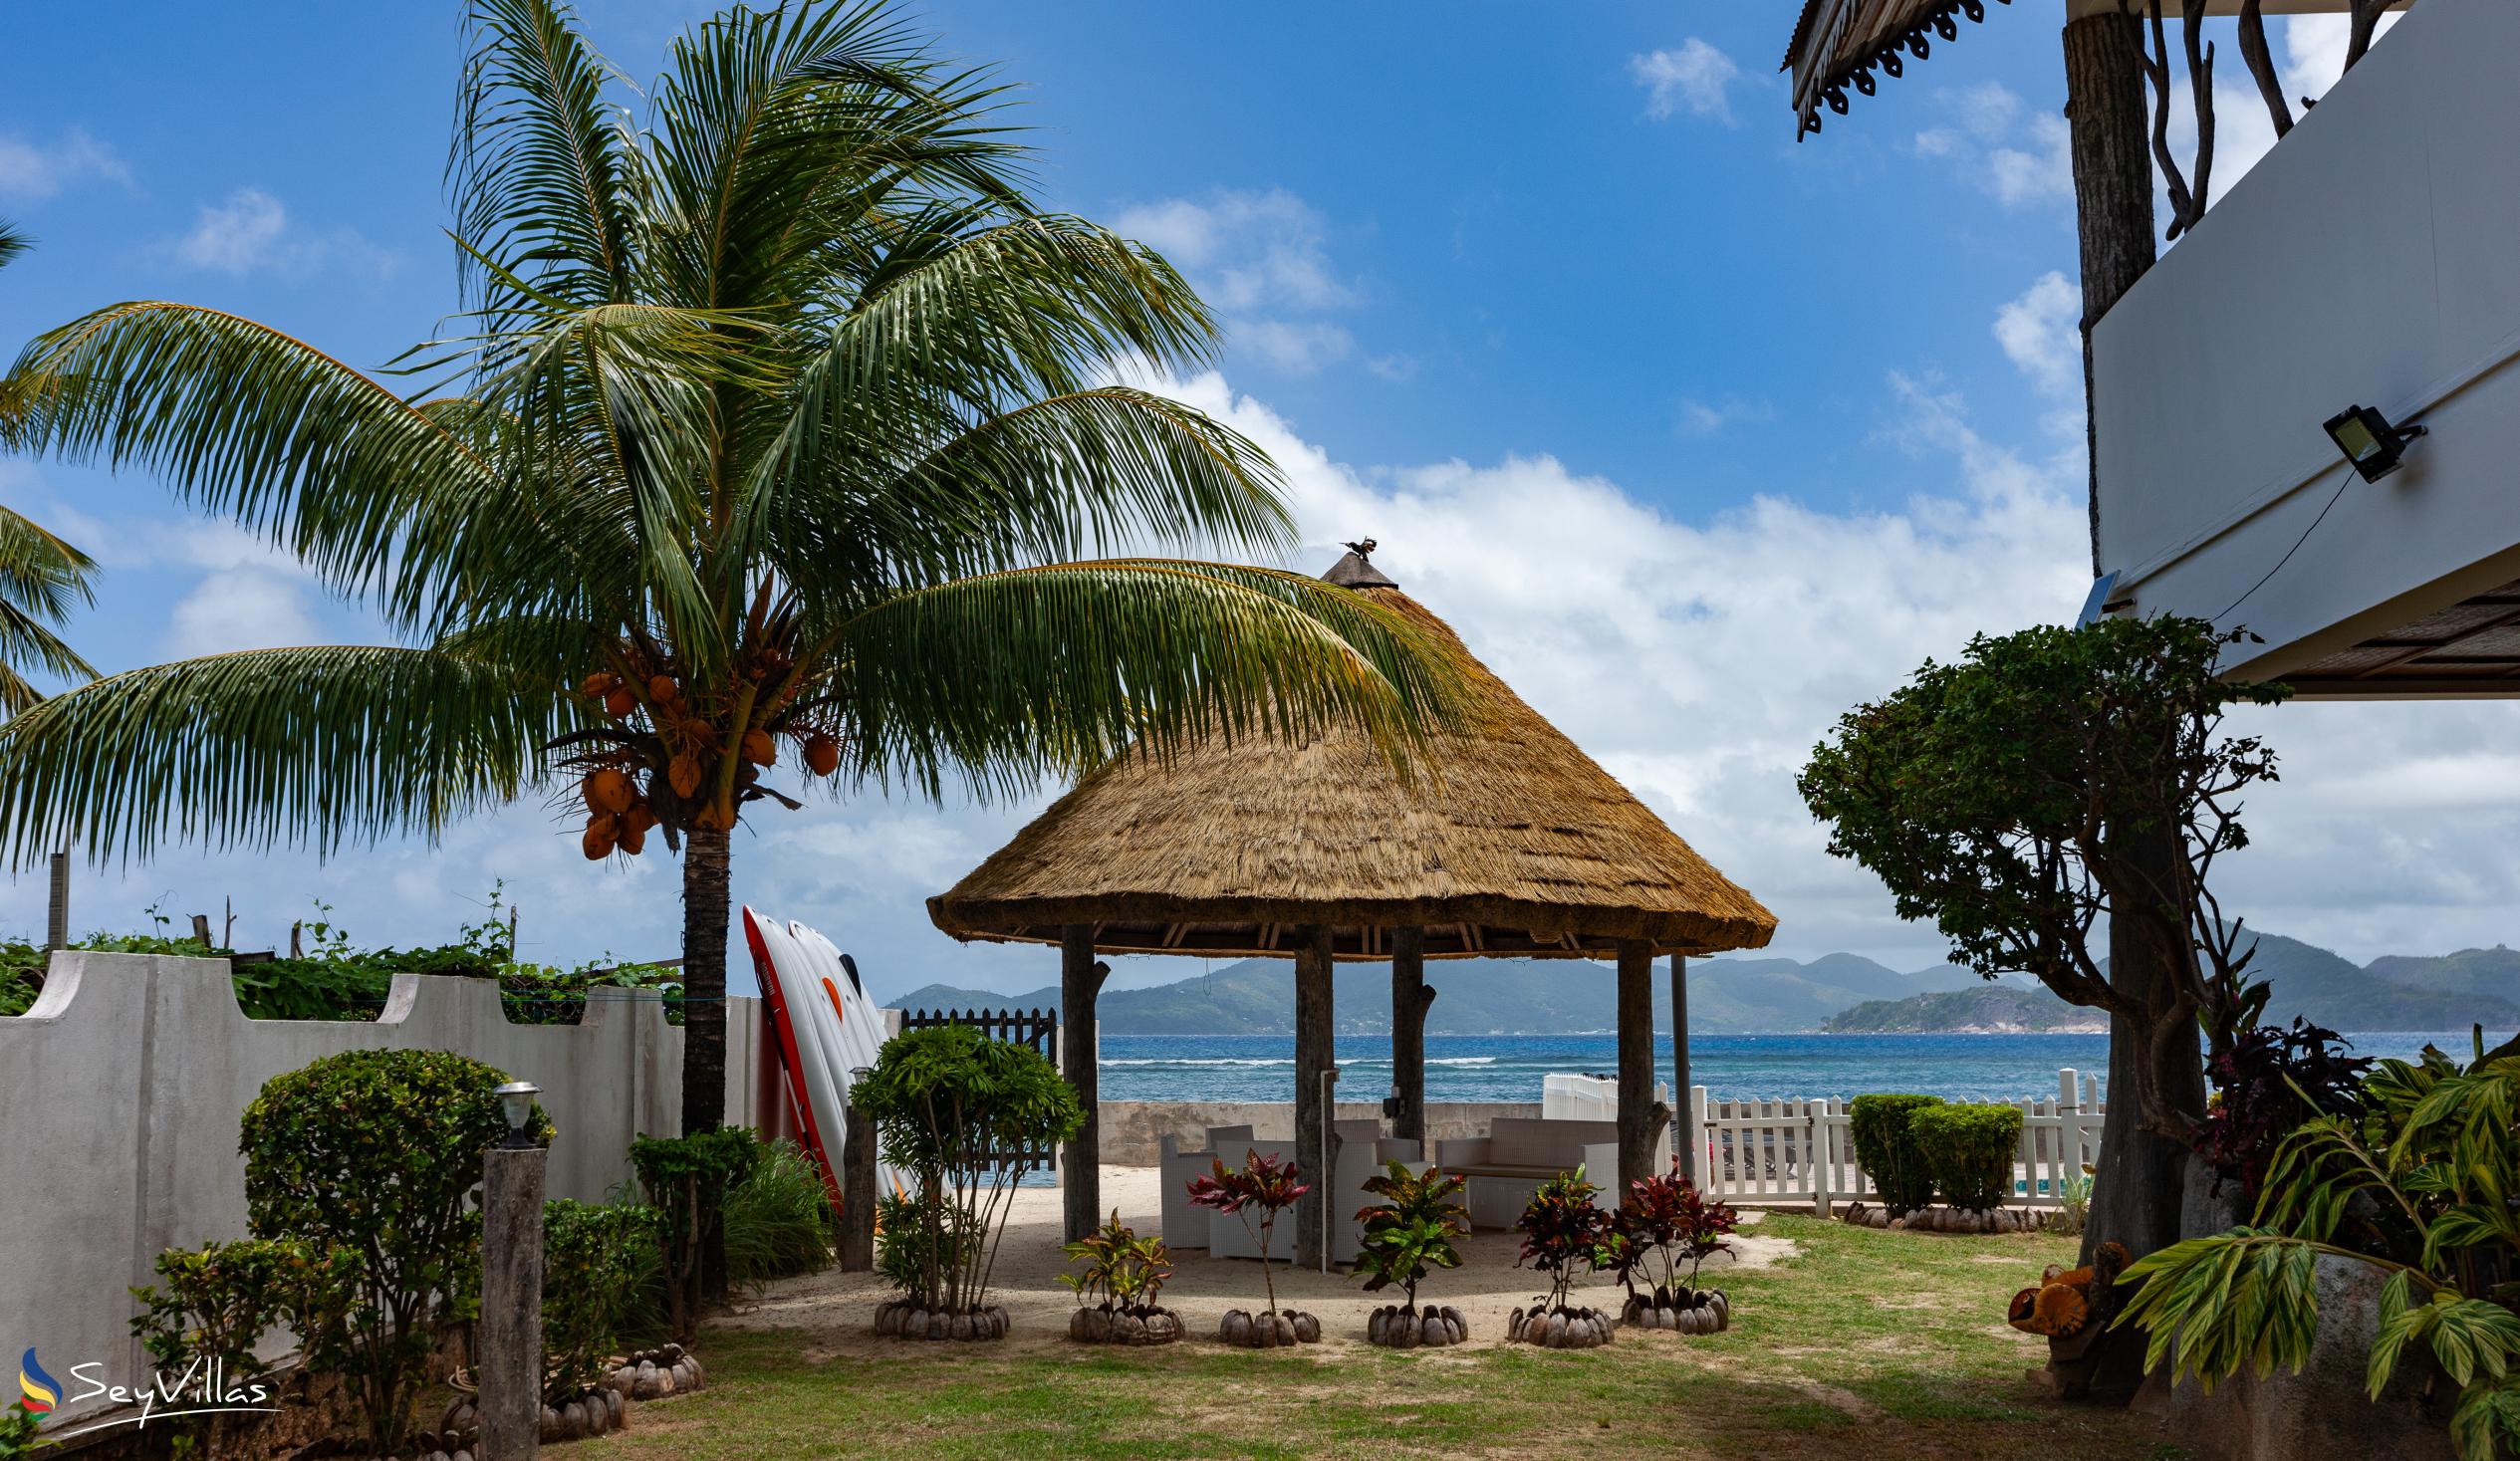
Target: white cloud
x=1706 y=419
x=240 y=608
x=1250 y=250
x=1295 y=349
x=2020 y=156
x=1261 y=259
x=252 y=232
x=2042 y=333
x=33 y=171
x=1695 y=78
x=236 y=236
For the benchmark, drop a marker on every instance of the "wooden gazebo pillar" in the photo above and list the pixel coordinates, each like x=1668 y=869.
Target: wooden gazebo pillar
x=1081 y=1160
x=1315 y=1055
x=1684 y=1141
x=1639 y=1119
x=1409 y=999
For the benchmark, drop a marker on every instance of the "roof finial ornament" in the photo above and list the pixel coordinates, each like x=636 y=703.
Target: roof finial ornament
x=1362 y=550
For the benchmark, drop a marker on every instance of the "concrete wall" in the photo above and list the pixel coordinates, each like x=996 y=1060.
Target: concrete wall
x=2369 y=258
x=1132 y=1131
x=121 y=1090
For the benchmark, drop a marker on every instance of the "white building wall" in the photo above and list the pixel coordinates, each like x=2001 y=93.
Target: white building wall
x=2373 y=257
x=123 y=1088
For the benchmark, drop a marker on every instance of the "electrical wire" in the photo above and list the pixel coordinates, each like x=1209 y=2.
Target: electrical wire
x=2350 y=479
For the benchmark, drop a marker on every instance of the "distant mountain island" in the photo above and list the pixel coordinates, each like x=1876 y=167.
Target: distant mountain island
x=1837 y=993
x=1990 y=1008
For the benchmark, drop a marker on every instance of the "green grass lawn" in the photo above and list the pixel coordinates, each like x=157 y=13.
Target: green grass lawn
x=1862 y=1344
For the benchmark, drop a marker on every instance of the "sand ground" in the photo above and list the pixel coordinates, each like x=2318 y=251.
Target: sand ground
x=838 y=1308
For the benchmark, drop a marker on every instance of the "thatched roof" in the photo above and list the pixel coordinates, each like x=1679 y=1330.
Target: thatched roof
x=1523 y=846
x=1838 y=44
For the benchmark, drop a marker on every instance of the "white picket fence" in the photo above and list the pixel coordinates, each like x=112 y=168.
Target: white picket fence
x=1800 y=1151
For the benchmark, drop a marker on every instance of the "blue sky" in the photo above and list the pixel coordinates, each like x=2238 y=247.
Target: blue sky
x=1698 y=434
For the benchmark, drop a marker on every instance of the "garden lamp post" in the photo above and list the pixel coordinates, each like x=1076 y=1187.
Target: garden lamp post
x=511 y=1358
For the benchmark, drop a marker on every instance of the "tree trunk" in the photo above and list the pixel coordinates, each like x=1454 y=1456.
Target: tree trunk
x=1315 y=1054
x=1639 y=1119
x=1081 y=1160
x=2113 y=185
x=2139 y=1187
x=1409 y=999
x=706 y=884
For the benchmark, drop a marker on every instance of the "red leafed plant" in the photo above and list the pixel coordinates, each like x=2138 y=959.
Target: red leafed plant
x=1262 y=1184
x=1665 y=1223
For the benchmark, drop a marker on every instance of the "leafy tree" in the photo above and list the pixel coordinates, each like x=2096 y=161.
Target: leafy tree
x=941 y=1099
x=2052 y=777
x=781 y=416
x=686 y=1178
x=375 y=1153
x=1411 y=1231
x=1262 y=1187
x=41 y=577
x=2414 y=1181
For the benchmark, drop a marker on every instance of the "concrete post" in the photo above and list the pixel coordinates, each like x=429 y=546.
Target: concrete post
x=57 y=911
x=511 y=1404
x=857 y=1194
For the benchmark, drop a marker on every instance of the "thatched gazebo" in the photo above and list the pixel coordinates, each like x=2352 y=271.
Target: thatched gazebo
x=1519 y=846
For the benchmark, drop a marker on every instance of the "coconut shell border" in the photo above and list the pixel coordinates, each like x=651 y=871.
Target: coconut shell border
x=1398 y=1327
x=1562 y=1329
x=1244 y=1330
x=899 y=1319
x=1138 y=1325
x=1688 y=1312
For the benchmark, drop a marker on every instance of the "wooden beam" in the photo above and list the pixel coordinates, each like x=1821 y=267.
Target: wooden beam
x=1409 y=999
x=1081 y=979
x=1639 y=1118
x=1313 y=1055
x=1684 y=1142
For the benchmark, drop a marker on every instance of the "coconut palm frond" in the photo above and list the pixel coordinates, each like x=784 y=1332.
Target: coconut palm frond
x=248 y=422
x=41 y=581
x=312 y=746
x=1000 y=680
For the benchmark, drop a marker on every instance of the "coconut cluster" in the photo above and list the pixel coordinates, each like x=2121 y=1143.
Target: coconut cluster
x=663 y=777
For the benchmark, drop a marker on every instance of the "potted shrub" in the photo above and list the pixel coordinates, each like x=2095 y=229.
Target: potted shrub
x=942 y=1099
x=1666 y=1223
x=1263 y=1187
x=1407 y=1234
x=1564 y=1237
x=1119 y=1278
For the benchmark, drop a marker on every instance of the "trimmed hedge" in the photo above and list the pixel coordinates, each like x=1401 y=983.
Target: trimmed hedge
x=1968 y=1149
x=1886 y=1148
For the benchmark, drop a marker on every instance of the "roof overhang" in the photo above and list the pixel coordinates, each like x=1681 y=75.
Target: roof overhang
x=1260 y=939
x=1838 y=45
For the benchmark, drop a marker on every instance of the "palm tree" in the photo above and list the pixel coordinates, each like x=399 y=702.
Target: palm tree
x=41 y=577
x=777 y=418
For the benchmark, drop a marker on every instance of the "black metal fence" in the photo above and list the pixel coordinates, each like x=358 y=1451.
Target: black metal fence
x=1036 y=1028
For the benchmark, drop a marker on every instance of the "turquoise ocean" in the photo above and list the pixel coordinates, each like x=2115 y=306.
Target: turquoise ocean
x=1734 y=1067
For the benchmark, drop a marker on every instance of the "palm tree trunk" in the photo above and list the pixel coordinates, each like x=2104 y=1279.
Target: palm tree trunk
x=706 y=893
